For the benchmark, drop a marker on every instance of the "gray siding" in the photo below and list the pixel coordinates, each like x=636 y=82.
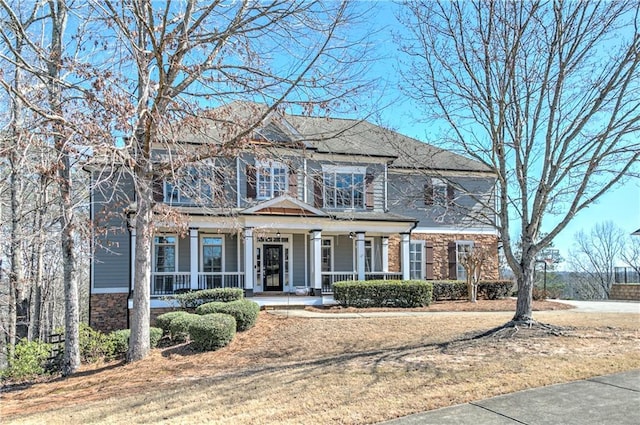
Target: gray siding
x=407 y=197
x=184 y=254
x=298 y=259
x=343 y=254
x=111 y=241
x=231 y=253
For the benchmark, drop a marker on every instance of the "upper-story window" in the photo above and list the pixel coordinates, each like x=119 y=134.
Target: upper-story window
x=190 y=186
x=271 y=179
x=438 y=192
x=344 y=187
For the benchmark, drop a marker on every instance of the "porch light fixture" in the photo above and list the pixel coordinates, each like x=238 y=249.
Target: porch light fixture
x=278 y=233
x=351 y=235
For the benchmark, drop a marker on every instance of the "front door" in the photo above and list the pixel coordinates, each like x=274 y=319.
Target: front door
x=272 y=279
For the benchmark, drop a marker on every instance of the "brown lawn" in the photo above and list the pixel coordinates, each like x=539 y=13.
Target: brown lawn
x=352 y=371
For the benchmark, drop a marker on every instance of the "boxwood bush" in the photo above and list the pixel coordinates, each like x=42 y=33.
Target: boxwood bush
x=163 y=321
x=457 y=289
x=244 y=311
x=195 y=298
x=120 y=340
x=383 y=293
x=179 y=326
x=212 y=331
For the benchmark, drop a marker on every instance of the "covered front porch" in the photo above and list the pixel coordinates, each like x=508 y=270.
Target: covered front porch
x=288 y=247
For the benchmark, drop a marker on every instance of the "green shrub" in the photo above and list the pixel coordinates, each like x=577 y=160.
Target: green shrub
x=163 y=321
x=195 y=298
x=29 y=362
x=457 y=289
x=94 y=345
x=212 y=331
x=244 y=311
x=383 y=293
x=179 y=327
x=120 y=340
x=495 y=289
x=449 y=290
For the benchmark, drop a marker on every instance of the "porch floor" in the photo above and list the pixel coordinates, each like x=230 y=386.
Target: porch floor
x=291 y=301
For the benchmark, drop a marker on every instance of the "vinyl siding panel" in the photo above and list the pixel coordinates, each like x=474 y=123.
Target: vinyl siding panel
x=298 y=260
x=343 y=254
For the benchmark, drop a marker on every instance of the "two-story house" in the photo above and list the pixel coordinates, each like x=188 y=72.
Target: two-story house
x=302 y=203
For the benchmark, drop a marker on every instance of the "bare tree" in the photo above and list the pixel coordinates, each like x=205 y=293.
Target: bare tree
x=545 y=94
x=594 y=257
x=631 y=253
x=473 y=263
x=194 y=52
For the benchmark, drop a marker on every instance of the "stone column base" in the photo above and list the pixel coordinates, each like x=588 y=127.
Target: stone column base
x=108 y=312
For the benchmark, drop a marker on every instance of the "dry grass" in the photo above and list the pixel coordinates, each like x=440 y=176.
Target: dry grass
x=352 y=371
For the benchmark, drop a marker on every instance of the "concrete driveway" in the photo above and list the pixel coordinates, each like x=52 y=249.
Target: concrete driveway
x=604 y=306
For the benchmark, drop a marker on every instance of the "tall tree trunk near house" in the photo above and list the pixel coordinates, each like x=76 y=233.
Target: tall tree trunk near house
x=38 y=263
x=139 y=344
x=524 y=304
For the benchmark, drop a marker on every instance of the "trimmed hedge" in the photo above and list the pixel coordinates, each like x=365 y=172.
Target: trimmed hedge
x=120 y=340
x=164 y=320
x=196 y=298
x=457 y=289
x=244 y=311
x=383 y=293
x=212 y=331
x=180 y=325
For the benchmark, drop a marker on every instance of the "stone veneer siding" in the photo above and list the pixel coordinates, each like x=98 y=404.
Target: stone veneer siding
x=440 y=243
x=108 y=311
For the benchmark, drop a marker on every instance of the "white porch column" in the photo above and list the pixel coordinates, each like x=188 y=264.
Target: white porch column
x=405 y=256
x=316 y=262
x=132 y=263
x=385 y=254
x=193 y=260
x=360 y=257
x=248 y=261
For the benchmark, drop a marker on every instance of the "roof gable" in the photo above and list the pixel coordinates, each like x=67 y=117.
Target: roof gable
x=284 y=205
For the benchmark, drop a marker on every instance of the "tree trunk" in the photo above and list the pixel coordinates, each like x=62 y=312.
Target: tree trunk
x=139 y=344
x=524 y=304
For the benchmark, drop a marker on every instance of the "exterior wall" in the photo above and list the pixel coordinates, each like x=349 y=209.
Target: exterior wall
x=183 y=253
x=108 y=312
x=111 y=241
x=629 y=292
x=406 y=197
x=298 y=250
x=440 y=243
x=343 y=253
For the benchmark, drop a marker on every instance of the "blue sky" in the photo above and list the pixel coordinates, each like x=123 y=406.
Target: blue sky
x=621 y=205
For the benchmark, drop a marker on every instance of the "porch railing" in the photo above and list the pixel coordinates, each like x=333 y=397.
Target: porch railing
x=329 y=278
x=626 y=275
x=168 y=283
x=220 y=280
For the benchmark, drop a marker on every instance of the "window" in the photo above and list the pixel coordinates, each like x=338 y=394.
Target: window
x=164 y=264
x=271 y=180
x=462 y=249
x=438 y=192
x=344 y=187
x=164 y=254
x=368 y=255
x=416 y=260
x=327 y=255
x=212 y=254
x=191 y=186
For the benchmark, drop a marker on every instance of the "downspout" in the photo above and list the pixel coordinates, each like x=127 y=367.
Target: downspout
x=304 y=180
x=238 y=182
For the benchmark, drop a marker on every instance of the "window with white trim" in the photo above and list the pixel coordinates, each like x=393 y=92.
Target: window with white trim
x=271 y=180
x=368 y=255
x=212 y=251
x=416 y=260
x=438 y=192
x=463 y=248
x=164 y=254
x=327 y=255
x=344 y=187
x=192 y=185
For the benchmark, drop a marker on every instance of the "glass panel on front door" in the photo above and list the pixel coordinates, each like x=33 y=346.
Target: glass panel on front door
x=272 y=259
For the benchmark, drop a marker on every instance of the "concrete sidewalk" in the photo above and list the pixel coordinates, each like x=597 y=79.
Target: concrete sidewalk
x=611 y=399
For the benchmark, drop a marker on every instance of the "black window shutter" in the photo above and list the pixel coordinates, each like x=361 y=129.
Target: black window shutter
x=451 y=193
x=428 y=247
x=293 y=182
x=251 y=181
x=158 y=188
x=453 y=261
x=317 y=191
x=428 y=193
x=369 y=200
